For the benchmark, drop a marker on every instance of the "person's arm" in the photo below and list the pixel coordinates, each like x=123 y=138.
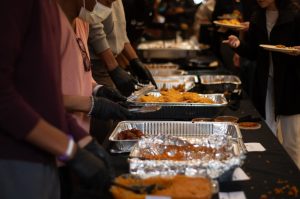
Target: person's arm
x=49 y=138
x=122 y=60
x=17 y=117
x=136 y=67
x=129 y=52
x=97 y=106
x=77 y=103
x=99 y=44
x=108 y=59
x=244 y=48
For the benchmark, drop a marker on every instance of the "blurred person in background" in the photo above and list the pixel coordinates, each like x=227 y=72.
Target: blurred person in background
x=232 y=9
x=178 y=15
x=35 y=129
x=203 y=21
x=277 y=74
x=139 y=15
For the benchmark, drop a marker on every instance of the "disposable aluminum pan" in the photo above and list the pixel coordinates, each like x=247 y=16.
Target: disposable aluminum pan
x=209 y=134
x=174 y=81
x=162 y=66
x=164 y=69
x=175 y=128
x=221 y=83
x=182 y=110
x=164 y=72
x=168 y=49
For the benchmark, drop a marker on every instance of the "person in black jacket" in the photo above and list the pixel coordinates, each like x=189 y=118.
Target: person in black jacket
x=242 y=11
x=277 y=77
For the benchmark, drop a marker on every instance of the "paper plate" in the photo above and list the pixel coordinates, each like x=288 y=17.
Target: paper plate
x=249 y=125
x=275 y=48
x=234 y=26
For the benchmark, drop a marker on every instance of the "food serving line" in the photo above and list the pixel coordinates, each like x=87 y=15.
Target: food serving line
x=252 y=164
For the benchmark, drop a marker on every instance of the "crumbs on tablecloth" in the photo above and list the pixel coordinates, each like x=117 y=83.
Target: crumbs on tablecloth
x=283 y=189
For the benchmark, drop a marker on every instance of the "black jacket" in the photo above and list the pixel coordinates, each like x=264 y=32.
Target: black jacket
x=286 y=31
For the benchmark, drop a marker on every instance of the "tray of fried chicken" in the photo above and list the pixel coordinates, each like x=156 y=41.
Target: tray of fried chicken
x=179 y=105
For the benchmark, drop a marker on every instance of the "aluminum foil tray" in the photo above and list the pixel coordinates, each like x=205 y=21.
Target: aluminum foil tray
x=168 y=49
x=220 y=83
x=175 y=128
x=162 y=66
x=182 y=110
x=228 y=153
x=174 y=81
x=164 y=72
x=164 y=69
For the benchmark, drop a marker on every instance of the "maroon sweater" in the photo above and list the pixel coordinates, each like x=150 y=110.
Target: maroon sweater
x=30 y=82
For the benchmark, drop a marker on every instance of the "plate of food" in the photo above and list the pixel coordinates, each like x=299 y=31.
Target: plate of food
x=279 y=48
x=234 y=15
x=229 y=23
x=249 y=125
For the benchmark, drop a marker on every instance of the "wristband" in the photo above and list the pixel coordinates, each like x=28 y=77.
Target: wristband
x=95 y=90
x=92 y=106
x=66 y=156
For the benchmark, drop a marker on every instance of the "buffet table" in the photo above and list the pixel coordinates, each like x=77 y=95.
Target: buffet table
x=272 y=172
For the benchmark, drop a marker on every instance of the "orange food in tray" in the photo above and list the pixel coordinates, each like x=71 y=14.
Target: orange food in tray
x=130 y=134
x=173 y=95
x=177 y=187
x=182 y=153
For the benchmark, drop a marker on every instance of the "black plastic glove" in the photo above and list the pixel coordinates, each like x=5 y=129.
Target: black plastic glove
x=105 y=109
x=110 y=93
x=95 y=148
x=91 y=170
x=124 y=82
x=141 y=72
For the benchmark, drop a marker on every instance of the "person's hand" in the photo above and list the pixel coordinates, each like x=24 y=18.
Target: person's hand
x=236 y=60
x=232 y=41
x=124 y=82
x=96 y=149
x=110 y=93
x=245 y=25
x=105 y=109
x=141 y=72
x=91 y=170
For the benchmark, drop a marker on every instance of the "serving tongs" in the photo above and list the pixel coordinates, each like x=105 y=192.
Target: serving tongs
x=140 y=108
x=140 y=189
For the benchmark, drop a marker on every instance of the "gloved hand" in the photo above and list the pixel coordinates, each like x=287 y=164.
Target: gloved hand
x=141 y=72
x=96 y=149
x=91 y=170
x=110 y=93
x=105 y=109
x=124 y=82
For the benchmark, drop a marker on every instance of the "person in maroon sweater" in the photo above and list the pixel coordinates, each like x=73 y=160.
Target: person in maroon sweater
x=34 y=127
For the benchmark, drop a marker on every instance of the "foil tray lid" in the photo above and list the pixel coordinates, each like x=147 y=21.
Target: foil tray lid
x=210 y=155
